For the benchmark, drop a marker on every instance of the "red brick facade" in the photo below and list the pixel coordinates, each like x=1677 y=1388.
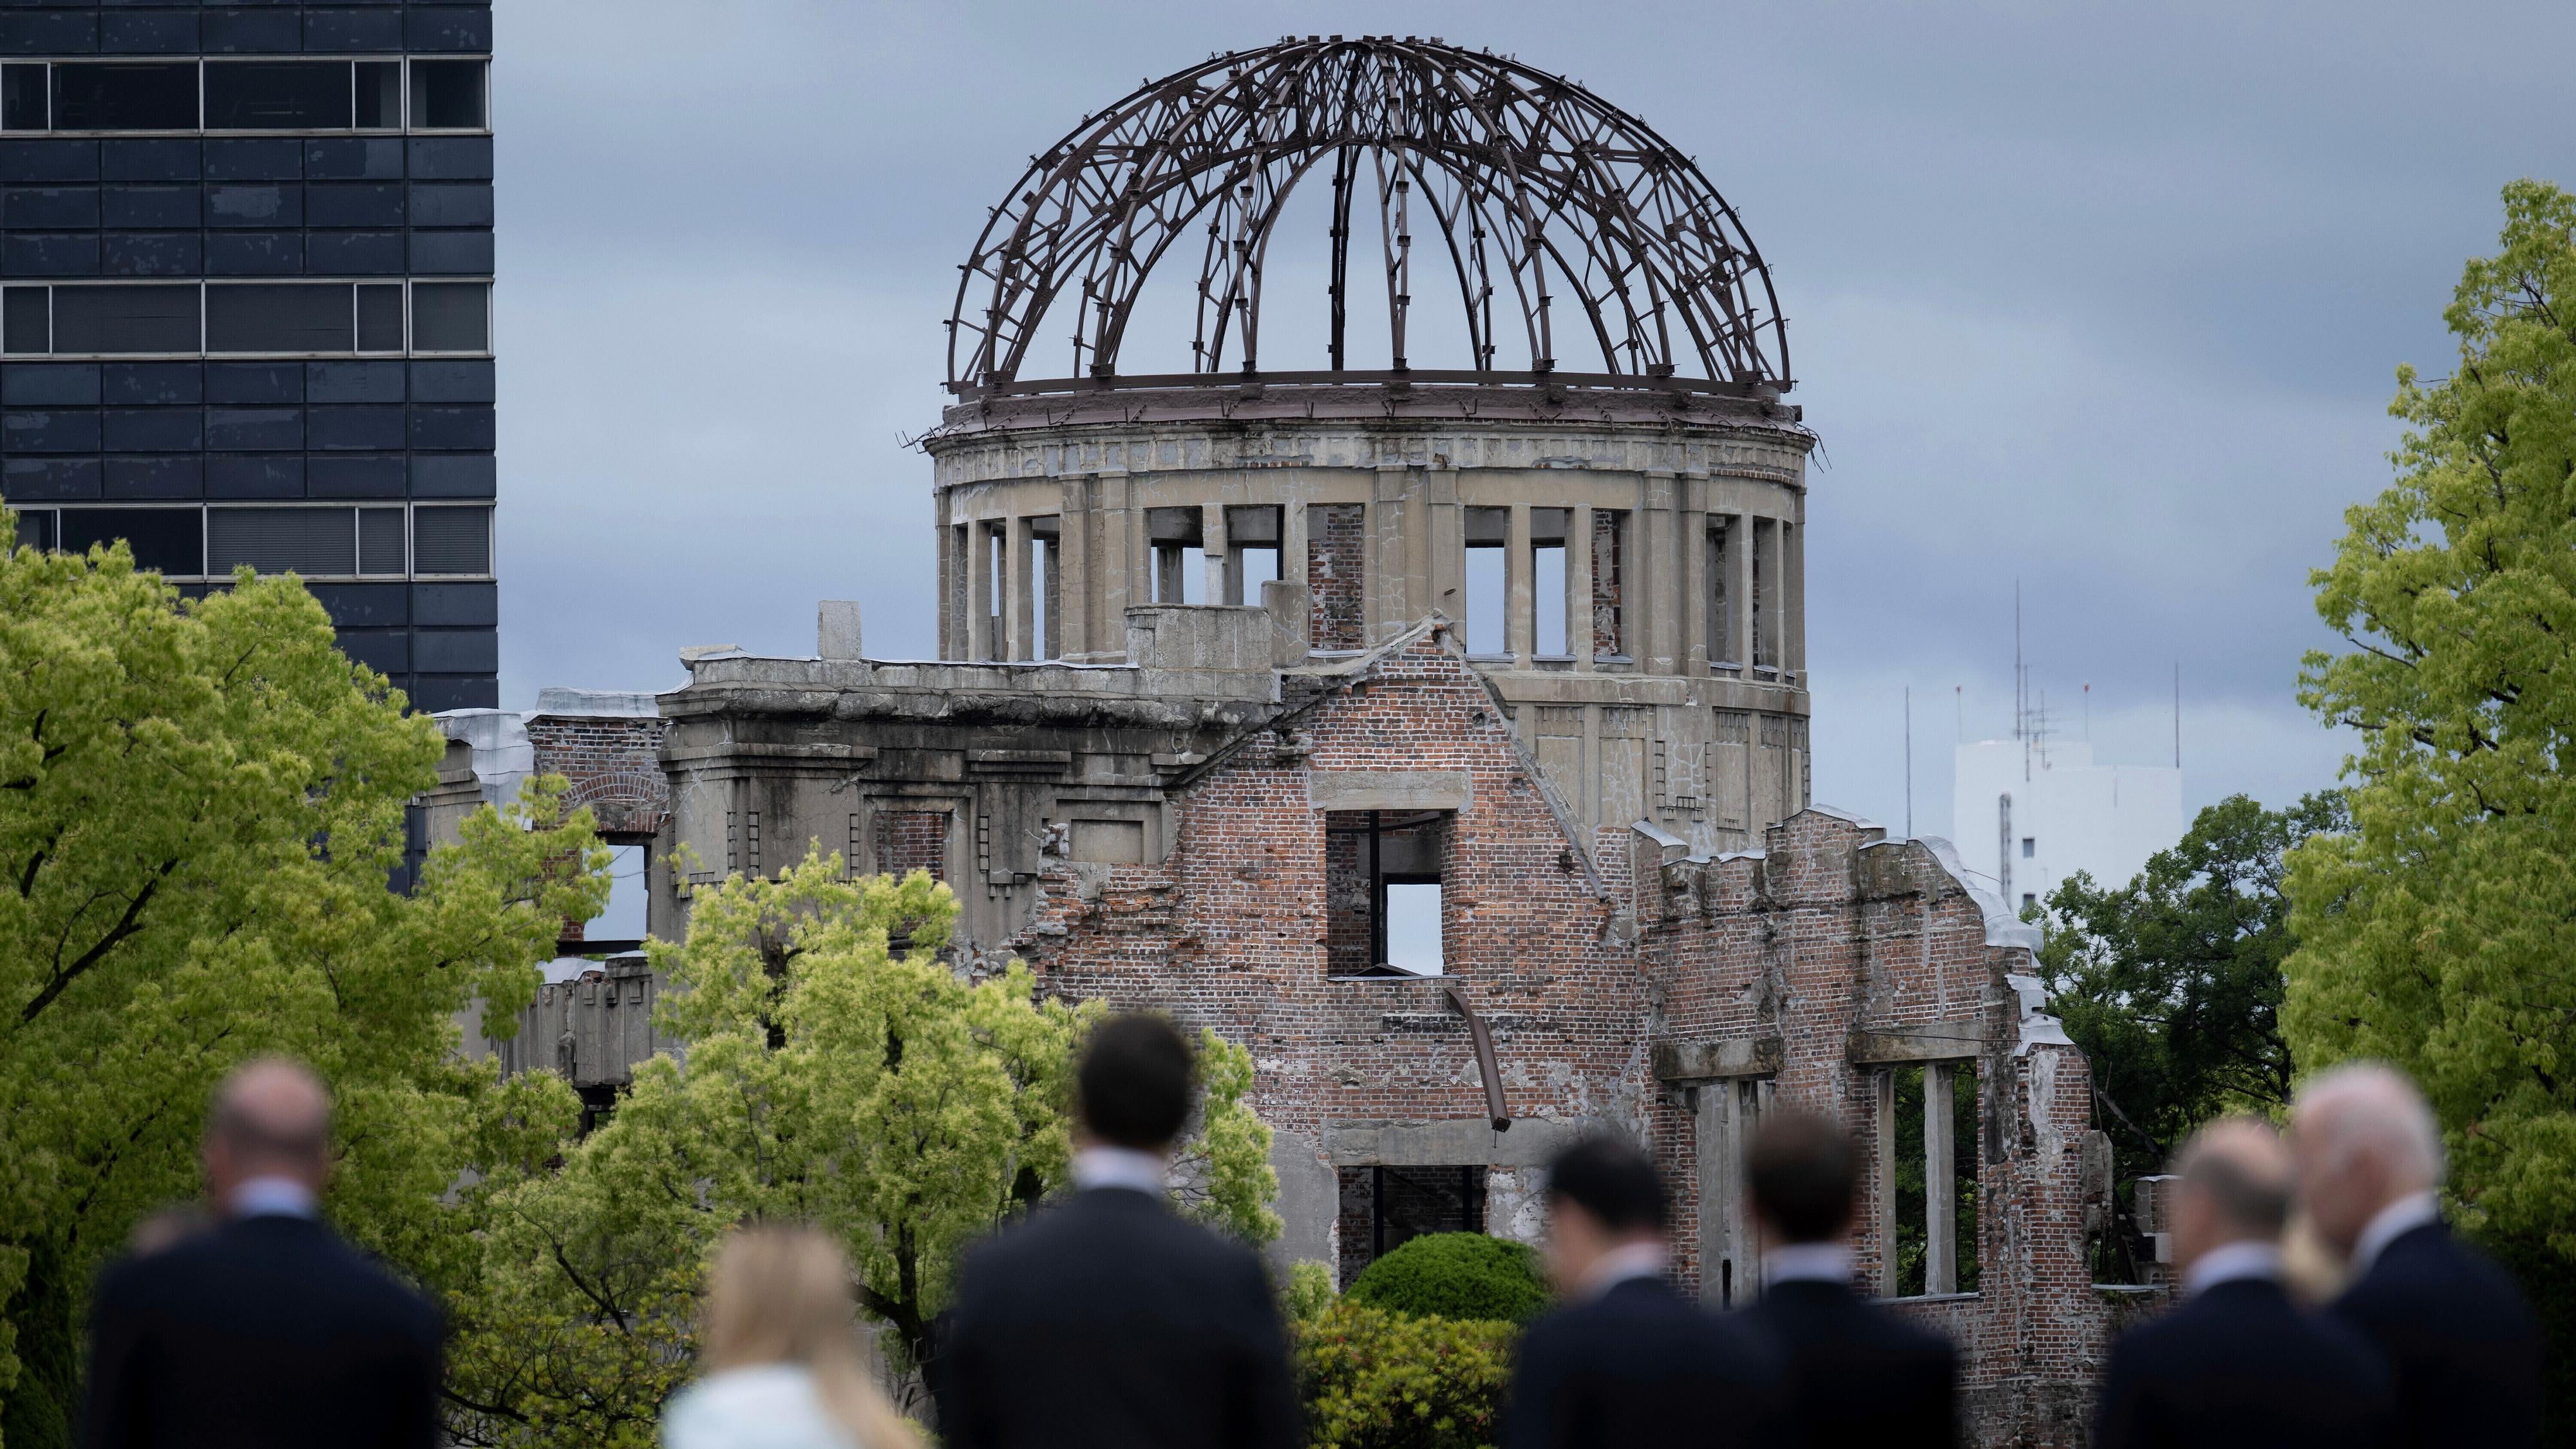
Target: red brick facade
x=1610 y=989
x=910 y=840
x=613 y=764
x=1336 y=550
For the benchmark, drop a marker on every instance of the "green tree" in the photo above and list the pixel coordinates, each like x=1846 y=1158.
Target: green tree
x=2439 y=931
x=2172 y=983
x=200 y=805
x=835 y=1071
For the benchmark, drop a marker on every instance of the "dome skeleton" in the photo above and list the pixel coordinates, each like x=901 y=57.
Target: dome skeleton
x=1538 y=191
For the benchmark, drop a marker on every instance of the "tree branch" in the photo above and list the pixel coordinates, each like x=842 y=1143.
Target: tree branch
x=130 y=923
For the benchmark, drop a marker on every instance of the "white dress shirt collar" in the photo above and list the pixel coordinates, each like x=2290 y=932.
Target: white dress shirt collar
x=1120 y=1167
x=2398 y=1218
x=1645 y=1258
x=1807 y=1263
x=2229 y=1262
x=274 y=1197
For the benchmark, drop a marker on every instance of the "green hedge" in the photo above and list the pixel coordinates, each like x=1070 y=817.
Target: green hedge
x=1456 y=1275
x=1372 y=1379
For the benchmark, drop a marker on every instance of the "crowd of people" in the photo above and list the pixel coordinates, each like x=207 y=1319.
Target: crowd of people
x=1107 y=1319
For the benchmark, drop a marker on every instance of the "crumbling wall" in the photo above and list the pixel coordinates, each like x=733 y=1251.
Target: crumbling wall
x=612 y=763
x=1336 y=581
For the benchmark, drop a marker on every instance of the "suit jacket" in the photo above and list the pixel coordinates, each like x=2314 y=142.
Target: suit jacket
x=2240 y=1364
x=1858 y=1374
x=269 y=1332
x=1107 y=1319
x=1642 y=1365
x=2462 y=1346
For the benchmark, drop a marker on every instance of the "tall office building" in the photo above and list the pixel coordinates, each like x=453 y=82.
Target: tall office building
x=245 y=307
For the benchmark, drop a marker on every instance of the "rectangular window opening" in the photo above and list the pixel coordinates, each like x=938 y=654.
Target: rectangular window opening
x=171 y=541
x=125 y=95
x=454 y=541
x=1382 y=895
x=1176 y=534
x=1936 y=1148
x=380 y=317
x=1609 y=617
x=1550 y=636
x=381 y=543
x=279 y=95
x=451 y=316
x=997 y=585
x=2029 y=847
x=1045 y=590
x=1766 y=612
x=294 y=317
x=26 y=320
x=36 y=529
x=1252 y=553
x=447 y=95
x=308 y=541
x=156 y=317
x=1383 y=1208
x=24 y=104
x=1721 y=596
x=376 y=95
x=1485 y=600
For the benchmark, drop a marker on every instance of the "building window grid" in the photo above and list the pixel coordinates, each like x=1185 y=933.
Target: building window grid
x=10 y=348
x=403 y=106
x=41 y=522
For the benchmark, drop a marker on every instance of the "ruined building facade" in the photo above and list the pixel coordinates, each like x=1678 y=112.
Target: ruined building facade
x=1359 y=715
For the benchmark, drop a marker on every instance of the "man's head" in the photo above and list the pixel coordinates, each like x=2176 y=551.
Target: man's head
x=1134 y=1083
x=2235 y=1188
x=270 y=1118
x=2365 y=1138
x=1602 y=1194
x=1803 y=1173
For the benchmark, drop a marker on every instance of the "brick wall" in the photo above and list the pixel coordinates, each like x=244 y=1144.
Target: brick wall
x=1336 y=543
x=1609 y=532
x=910 y=840
x=613 y=764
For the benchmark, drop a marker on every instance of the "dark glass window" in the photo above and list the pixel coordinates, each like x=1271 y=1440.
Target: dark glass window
x=276 y=540
x=279 y=317
x=451 y=316
x=451 y=540
x=447 y=94
x=379 y=88
x=380 y=540
x=22 y=98
x=36 y=530
x=160 y=317
x=172 y=540
x=277 y=95
x=380 y=317
x=125 y=96
x=25 y=321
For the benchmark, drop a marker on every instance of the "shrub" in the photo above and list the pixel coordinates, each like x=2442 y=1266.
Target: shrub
x=1378 y=1380
x=1308 y=1293
x=1455 y=1275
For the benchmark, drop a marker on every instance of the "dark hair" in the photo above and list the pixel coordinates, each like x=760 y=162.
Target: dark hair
x=1134 y=1082
x=1611 y=1180
x=1804 y=1173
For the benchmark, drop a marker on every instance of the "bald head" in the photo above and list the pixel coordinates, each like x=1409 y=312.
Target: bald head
x=270 y=1118
x=2238 y=1172
x=2366 y=1138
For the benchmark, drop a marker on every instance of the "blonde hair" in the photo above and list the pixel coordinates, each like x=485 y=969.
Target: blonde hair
x=781 y=1294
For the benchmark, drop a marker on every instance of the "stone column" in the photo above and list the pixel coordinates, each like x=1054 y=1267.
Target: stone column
x=951 y=644
x=1073 y=568
x=1114 y=566
x=1444 y=539
x=979 y=592
x=1578 y=586
x=1740 y=564
x=1390 y=583
x=1940 y=1180
x=1793 y=598
x=1521 y=628
x=1695 y=643
x=1650 y=598
x=1883 y=1172
x=1019 y=554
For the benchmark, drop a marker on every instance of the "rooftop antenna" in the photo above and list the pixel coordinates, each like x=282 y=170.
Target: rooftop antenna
x=1909 y=762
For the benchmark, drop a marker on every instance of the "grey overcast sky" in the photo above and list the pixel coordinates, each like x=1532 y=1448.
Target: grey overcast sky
x=2105 y=299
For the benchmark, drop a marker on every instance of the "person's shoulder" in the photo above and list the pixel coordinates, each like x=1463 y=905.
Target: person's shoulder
x=764 y=1406
x=2432 y=1267
x=1799 y=1311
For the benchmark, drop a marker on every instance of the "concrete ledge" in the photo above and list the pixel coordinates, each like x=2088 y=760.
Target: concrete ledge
x=1954 y=1040
x=1710 y=1058
x=1389 y=789
x=1449 y=1142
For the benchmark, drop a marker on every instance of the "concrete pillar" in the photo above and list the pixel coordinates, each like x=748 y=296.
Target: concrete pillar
x=1793 y=599
x=1578 y=586
x=1117 y=576
x=1019 y=551
x=947 y=543
x=1740 y=645
x=1518 y=571
x=1883 y=1173
x=1940 y=1208
x=1445 y=546
x=1292 y=546
x=1655 y=605
x=1222 y=584
x=1694 y=575
x=1073 y=568
x=1389 y=585
x=979 y=592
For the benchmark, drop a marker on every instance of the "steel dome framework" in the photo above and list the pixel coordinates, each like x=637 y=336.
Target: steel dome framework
x=1537 y=191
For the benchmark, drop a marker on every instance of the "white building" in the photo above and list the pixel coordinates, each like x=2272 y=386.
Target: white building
x=2026 y=814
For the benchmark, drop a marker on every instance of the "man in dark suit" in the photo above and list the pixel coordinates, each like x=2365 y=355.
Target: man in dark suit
x=1857 y=1374
x=1626 y=1360
x=268 y=1330
x=2462 y=1346
x=2238 y=1363
x=1105 y=1318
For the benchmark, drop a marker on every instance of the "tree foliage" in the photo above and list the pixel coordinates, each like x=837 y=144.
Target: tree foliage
x=1373 y=1379
x=835 y=1071
x=1455 y=1275
x=200 y=805
x=2439 y=932
x=2172 y=983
